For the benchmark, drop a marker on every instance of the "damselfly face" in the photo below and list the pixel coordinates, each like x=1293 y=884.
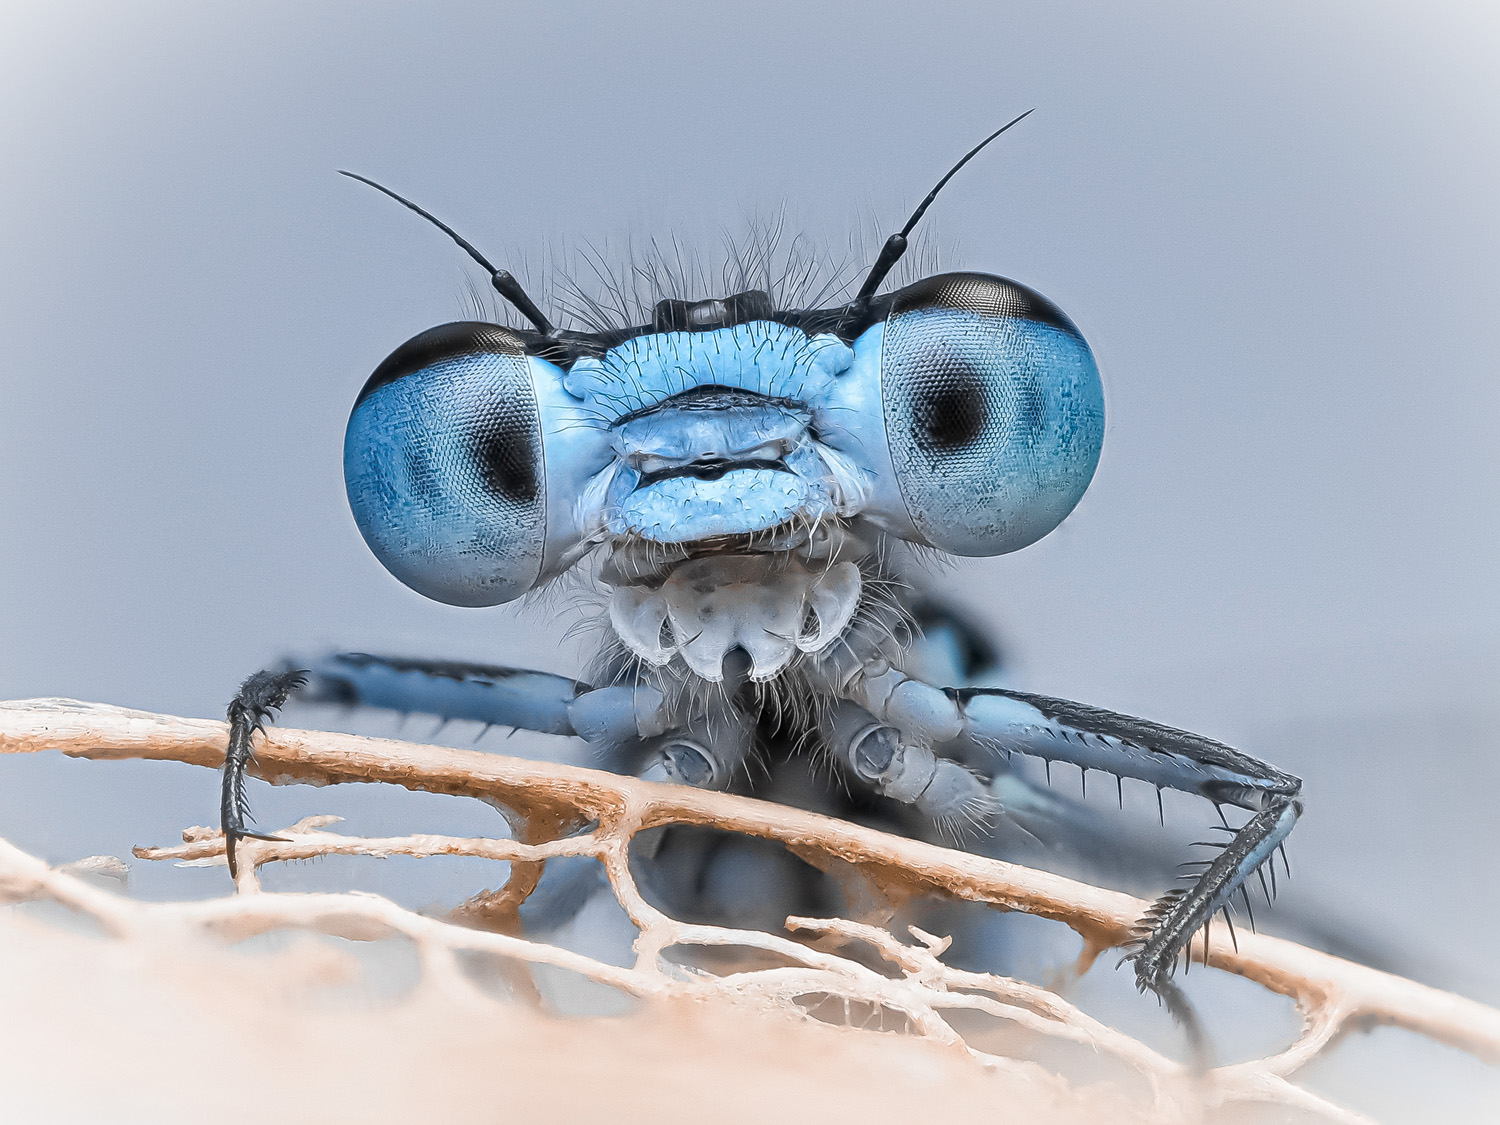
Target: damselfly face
x=736 y=461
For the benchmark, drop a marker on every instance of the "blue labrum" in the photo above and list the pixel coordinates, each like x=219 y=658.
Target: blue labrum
x=714 y=461
x=740 y=503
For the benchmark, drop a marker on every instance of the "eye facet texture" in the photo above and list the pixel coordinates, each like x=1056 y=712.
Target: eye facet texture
x=444 y=467
x=994 y=412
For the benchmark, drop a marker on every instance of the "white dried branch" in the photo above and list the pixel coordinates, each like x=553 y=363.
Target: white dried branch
x=548 y=800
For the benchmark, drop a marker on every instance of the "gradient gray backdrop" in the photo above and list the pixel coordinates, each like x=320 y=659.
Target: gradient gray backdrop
x=1276 y=224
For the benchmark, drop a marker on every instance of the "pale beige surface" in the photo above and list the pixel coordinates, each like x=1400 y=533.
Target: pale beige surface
x=100 y=1030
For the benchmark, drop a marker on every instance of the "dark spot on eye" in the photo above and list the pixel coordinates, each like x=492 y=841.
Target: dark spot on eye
x=950 y=411
x=505 y=452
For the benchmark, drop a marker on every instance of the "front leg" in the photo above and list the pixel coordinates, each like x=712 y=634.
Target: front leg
x=491 y=694
x=449 y=689
x=1091 y=738
x=515 y=697
x=996 y=720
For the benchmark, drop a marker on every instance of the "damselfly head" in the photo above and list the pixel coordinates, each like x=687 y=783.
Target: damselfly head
x=963 y=412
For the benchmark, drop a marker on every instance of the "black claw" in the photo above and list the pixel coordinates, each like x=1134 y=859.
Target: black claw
x=233 y=835
x=244 y=834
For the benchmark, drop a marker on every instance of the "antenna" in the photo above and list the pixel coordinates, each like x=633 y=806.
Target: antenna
x=506 y=285
x=895 y=246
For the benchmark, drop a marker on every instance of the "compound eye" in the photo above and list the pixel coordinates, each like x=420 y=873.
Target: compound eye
x=443 y=465
x=994 y=412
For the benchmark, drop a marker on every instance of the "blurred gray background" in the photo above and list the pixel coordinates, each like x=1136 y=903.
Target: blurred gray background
x=1275 y=223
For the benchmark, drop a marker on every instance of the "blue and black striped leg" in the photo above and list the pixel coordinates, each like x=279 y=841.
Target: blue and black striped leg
x=258 y=700
x=496 y=696
x=513 y=697
x=485 y=693
x=1093 y=739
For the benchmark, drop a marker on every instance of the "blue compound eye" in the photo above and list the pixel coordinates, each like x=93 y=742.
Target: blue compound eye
x=444 y=466
x=994 y=413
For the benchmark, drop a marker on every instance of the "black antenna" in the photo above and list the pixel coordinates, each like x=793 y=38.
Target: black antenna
x=506 y=285
x=895 y=246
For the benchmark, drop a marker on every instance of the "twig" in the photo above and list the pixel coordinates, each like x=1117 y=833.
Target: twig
x=550 y=802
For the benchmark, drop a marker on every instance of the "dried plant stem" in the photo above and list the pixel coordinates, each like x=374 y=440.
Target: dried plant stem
x=549 y=801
